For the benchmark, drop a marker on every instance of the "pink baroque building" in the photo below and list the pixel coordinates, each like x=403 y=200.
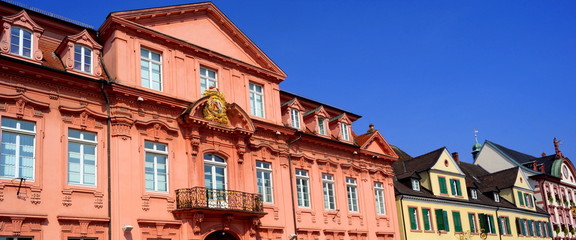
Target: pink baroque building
x=168 y=123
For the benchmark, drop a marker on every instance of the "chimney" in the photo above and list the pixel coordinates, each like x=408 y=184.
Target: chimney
x=456 y=157
x=534 y=166
x=543 y=154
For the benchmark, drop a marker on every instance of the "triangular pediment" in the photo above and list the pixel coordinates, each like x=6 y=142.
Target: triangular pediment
x=377 y=144
x=522 y=181
x=446 y=163
x=203 y=25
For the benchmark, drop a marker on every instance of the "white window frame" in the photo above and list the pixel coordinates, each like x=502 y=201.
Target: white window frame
x=379 y=197
x=329 y=191
x=84 y=143
x=20 y=44
x=150 y=62
x=474 y=193
x=206 y=81
x=322 y=125
x=352 y=194
x=295 y=117
x=344 y=131
x=85 y=56
x=19 y=132
x=256 y=108
x=155 y=152
x=415 y=184
x=303 y=188
x=263 y=174
x=528 y=200
x=496 y=197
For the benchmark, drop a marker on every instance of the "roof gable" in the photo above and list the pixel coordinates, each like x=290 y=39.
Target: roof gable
x=203 y=25
x=445 y=162
x=373 y=141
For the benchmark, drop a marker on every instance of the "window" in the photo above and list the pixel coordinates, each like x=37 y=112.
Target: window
x=156 y=166
x=496 y=197
x=521 y=198
x=472 y=221
x=151 y=69
x=538 y=229
x=352 y=190
x=529 y=201
x=322 y=125
x=344 y=132
x=18 y=143
x=442 y=183
x=442 y=220
x=295 y=117
x=81 y=157
x=215 y=180
x=474 y=193
x=413 y=218
x=427 y=219
x=302 y=188
x=379 y=196
x=530 y=228
x=415 y=184
x=486 y=223
x=455 y=187
x=21 y=42
x=208 y=79
x=264 y=180
x=504 y=224
x=82 y=58
x=521 y=226
x=328 y=187
x=457 y=221
x=256 y=100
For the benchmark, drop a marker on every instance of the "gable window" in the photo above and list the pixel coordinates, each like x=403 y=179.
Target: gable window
x=457 y=221
x=455 y=187
x=208 y=79
x=302 y=188
x=379 y=196
x=151 y=69
x=295 y=117
x=442 y=220
x=442 y=183
x=328 y=188
x=256 y=100
x=81 y=157
x=17 y=154
x=529 y=201
x=156 y=166
x=413 y=212
x=264 y=180
x=474 y=193
x=82 y=58
x=321 y=125
x=415 y=184
x=21 y=42
x=496 y=197
x=344 y=132
x=472 y=221
x=521 y=198
x=426 y=216
x=352 y=190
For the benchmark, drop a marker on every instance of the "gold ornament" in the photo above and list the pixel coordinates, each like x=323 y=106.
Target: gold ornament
x=215 y=108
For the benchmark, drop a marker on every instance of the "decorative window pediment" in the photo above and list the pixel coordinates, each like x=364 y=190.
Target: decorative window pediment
x=20 y=37
x=80 y=54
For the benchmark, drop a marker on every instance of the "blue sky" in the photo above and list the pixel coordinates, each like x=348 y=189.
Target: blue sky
x=426 y=73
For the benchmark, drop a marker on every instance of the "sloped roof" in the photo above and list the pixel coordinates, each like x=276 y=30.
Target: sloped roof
x=515 y=155
x=401 y=154
x=473 y=172
x=502 y=179
x=404 y=168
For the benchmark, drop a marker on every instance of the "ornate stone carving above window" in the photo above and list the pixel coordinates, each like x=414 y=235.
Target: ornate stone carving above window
x=80 y=54
x=28 y=34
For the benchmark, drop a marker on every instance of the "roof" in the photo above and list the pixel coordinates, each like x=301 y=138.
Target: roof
x=404 y=168
x=515 y=155
x=401 y=154
x=472 y=172
x=352 y=116
x=501 y=180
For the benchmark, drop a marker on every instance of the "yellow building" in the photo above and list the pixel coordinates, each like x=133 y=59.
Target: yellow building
x=439 y=197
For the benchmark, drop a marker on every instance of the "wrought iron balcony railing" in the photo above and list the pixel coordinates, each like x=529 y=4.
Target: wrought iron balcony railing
x=206 y=198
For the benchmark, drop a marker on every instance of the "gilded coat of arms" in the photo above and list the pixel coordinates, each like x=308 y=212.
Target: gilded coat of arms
x=215 y=108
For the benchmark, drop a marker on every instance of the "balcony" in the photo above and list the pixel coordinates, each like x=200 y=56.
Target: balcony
x=223 y=201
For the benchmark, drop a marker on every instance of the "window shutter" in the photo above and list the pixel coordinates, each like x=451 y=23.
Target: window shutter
x=520 y=198
x=442 y=182
x=457 y=222
x=452 y=187
x=483 y=223
x=549 y=229
x=471 y=221
x=413 y=219
x=439 y=219
x=518 y=228
x=500 y=225
x=508 y=231
x=493 y=230
x=523 y=225
x=530 y=228
x=458 y=189
x=425 y=216
x=446 y=223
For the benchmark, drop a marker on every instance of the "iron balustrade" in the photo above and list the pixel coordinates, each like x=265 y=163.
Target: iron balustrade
x=207 y=198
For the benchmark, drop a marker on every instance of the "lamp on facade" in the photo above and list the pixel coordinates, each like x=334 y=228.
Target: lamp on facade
x=127 y=228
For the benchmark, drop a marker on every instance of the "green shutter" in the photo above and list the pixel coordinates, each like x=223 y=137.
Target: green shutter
x=518 y=228
x=538 y=229
x=520 y=198
x=452 y=187
x=492 y=224
x=508 y=231
x=426 y=217
x=530 y=228
x=471 y=221
x=442 y=182
x=523 y=223
x=483 y=223
x=413 y=223
x=500 y=225
x=549 y=227
x=446 y=223
x=458 y=189
x=457 y=221
x=439 y=219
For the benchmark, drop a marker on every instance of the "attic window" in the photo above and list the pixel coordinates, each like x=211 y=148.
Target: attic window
x=496 y=197
x=344 y=132
x=321 y=125
x=295 y=117
x=82 y=58
x=474 y=193
x=415 y=184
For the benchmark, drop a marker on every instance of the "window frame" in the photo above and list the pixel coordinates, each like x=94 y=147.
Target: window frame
x=155 y=152
x=496 y=197
x=344 y=131
x=352 y=194
x=442 y=185
x=415 y=184
x=427 y=219
x=474 y=193
x=295 y=118
x=83 y=56
x=149 y=59
x=19 y=132
x=303 y=188
x=207 y=80
x=455 y=187
x=329 y=191
x=267 y=193
x=322 y=125
x=83 y=143
x=20 y=37
x=380 y=200
x=253 y=93
x=473 y=223
x=414 y=218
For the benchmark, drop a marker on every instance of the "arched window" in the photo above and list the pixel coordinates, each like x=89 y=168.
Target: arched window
x=21 y=42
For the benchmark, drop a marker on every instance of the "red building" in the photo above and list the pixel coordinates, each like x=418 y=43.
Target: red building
x=169 y=123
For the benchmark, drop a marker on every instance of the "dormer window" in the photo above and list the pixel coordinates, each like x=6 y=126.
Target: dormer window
x=344 y=132
x=474 y=193
x=496 y=197
x=415 y=184
x=321 y=125
x=295 y=118
x=82 y=58
x=21 y=42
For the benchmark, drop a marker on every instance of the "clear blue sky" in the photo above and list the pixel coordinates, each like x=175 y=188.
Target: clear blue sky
x=426 y=73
